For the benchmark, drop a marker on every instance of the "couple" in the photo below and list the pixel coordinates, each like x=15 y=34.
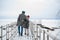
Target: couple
x=23 y=22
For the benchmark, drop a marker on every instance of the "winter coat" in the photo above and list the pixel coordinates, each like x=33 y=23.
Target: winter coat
x=21 y=19
x=26 y=24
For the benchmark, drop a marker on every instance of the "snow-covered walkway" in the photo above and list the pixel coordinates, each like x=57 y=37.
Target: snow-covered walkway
x=24 y=37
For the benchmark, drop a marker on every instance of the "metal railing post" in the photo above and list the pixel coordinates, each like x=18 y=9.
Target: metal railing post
x=7 y=32
x=43 y=34
x=36 y=32
x=1 y=32
x=39 y=32
x=12 y=31
x=47 y=35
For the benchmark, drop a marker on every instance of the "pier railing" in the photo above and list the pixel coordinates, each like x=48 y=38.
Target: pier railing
x=8 y=32
x=40 y=32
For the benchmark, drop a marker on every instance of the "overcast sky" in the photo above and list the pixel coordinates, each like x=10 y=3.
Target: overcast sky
x=35 y=8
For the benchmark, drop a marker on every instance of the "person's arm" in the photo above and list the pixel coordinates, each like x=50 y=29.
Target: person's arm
x=18 y=20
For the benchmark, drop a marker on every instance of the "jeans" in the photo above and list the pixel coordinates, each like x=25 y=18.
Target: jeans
x=20 y=30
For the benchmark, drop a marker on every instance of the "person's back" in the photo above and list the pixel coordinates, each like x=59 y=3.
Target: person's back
x=21 y=19
x=20 y=22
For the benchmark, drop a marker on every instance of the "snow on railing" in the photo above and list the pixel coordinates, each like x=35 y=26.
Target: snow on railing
x=40 y=32
x=8 y=32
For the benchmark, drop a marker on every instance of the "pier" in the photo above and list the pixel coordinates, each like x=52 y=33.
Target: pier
x=36 y=32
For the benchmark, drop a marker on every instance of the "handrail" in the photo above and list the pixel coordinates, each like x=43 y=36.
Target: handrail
x=38 y=29
x=47 y=32
x=9 y=34
x=42 y=26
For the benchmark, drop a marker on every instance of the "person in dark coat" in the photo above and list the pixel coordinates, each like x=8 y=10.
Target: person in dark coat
x=20 y=22
x=27 y=25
